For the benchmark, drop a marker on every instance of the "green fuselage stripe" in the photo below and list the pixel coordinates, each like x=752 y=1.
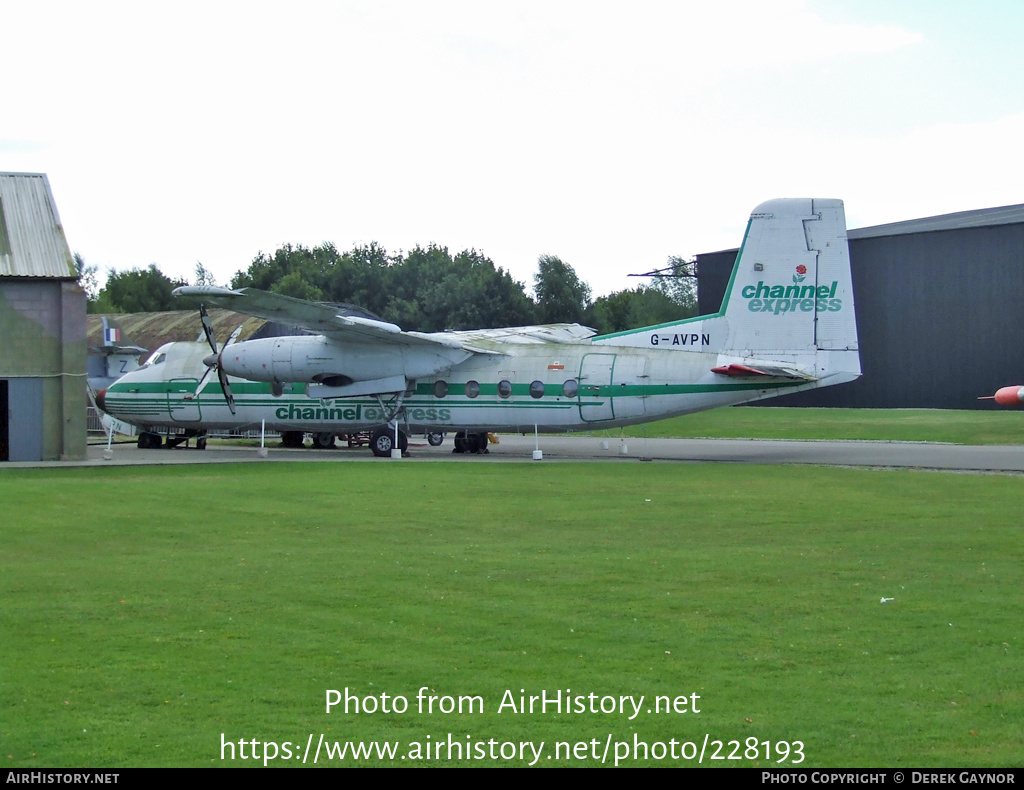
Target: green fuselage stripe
x=258 y=393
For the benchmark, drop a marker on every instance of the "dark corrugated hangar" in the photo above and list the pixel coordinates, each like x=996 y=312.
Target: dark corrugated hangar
x=940 y=311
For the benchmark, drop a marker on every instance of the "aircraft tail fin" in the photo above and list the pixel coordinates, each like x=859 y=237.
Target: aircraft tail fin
x=112 y=332
x=791 y=290
x=788 y=309
x=115 y=339
x=790 y=297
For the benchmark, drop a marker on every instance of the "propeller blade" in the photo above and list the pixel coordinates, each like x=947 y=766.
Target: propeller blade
x=207 y=328
x=226 y=388
x=213 y=360
x=202 y=381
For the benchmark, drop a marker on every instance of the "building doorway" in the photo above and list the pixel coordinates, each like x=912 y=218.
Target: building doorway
x=4 y=423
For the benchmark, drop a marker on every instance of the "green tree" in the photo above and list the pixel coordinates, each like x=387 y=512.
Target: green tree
x=643 y=306
x=359 y=277
x=321 y=273
x=87 y=276
x=267 y=271
x=500 y=299
x=97 y=300
x=679 y=283
x=426 y=289
x=418 y=295
x=204 y=276
x=612 y=313
x=297 y=286
x=464 y=292
x=141 y=291
x=561 y=295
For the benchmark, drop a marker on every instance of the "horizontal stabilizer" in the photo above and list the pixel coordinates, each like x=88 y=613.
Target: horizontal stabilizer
x=121 y=350
x=761 y=370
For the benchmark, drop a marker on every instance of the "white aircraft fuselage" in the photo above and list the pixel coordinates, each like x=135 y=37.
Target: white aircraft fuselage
x=576 y=387
x=787 y=324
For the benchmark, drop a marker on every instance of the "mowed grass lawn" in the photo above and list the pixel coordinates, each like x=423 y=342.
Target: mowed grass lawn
x=887 y=425
x=149 y=613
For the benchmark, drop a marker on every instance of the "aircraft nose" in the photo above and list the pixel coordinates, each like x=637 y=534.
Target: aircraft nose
x=210 y=360
x=101 y=400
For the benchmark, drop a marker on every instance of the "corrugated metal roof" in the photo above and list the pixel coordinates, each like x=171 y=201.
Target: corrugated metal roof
x=32 y=242
x=978 y=218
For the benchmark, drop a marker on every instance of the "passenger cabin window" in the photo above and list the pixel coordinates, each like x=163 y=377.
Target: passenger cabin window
x=440 y=388
x=504 y=388
x=537 y=389
x=570 y=389
x=472 y=389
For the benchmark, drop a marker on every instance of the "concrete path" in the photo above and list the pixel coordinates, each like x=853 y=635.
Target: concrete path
x=995 y=458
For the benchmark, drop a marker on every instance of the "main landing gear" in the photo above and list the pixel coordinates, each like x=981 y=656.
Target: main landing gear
x=323 y=441
x=292 y=439
x=466 y=442
x=149 y=440
x=382 y=442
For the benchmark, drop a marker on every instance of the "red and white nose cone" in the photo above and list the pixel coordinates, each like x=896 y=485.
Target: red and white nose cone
x=1010 y=396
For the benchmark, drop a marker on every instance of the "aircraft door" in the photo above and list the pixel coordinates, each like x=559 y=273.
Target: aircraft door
x=627 y=391
x=595 y=387
x=182 y=402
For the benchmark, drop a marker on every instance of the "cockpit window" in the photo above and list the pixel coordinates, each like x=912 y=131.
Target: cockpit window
x=155 y=358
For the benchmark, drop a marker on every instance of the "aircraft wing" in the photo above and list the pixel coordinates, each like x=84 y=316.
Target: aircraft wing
x=321 y=318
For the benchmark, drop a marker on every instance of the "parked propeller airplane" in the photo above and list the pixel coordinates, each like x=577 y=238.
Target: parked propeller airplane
x=786 y=324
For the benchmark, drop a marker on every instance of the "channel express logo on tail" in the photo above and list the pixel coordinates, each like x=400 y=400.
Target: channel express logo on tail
x=777 y=299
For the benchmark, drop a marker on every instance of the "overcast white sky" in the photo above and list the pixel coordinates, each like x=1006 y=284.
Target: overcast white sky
x=611 y=134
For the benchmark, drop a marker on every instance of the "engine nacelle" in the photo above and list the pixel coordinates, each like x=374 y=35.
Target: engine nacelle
x=318 y=359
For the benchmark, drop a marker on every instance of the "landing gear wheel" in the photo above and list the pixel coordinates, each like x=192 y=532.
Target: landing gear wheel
x=292 y=439
x=150 y=441
x=383 y=441
x=470 y=442
x=323 y=441
x=435 y=439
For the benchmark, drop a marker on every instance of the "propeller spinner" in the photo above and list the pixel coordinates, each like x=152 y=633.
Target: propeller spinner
x=212 y=362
